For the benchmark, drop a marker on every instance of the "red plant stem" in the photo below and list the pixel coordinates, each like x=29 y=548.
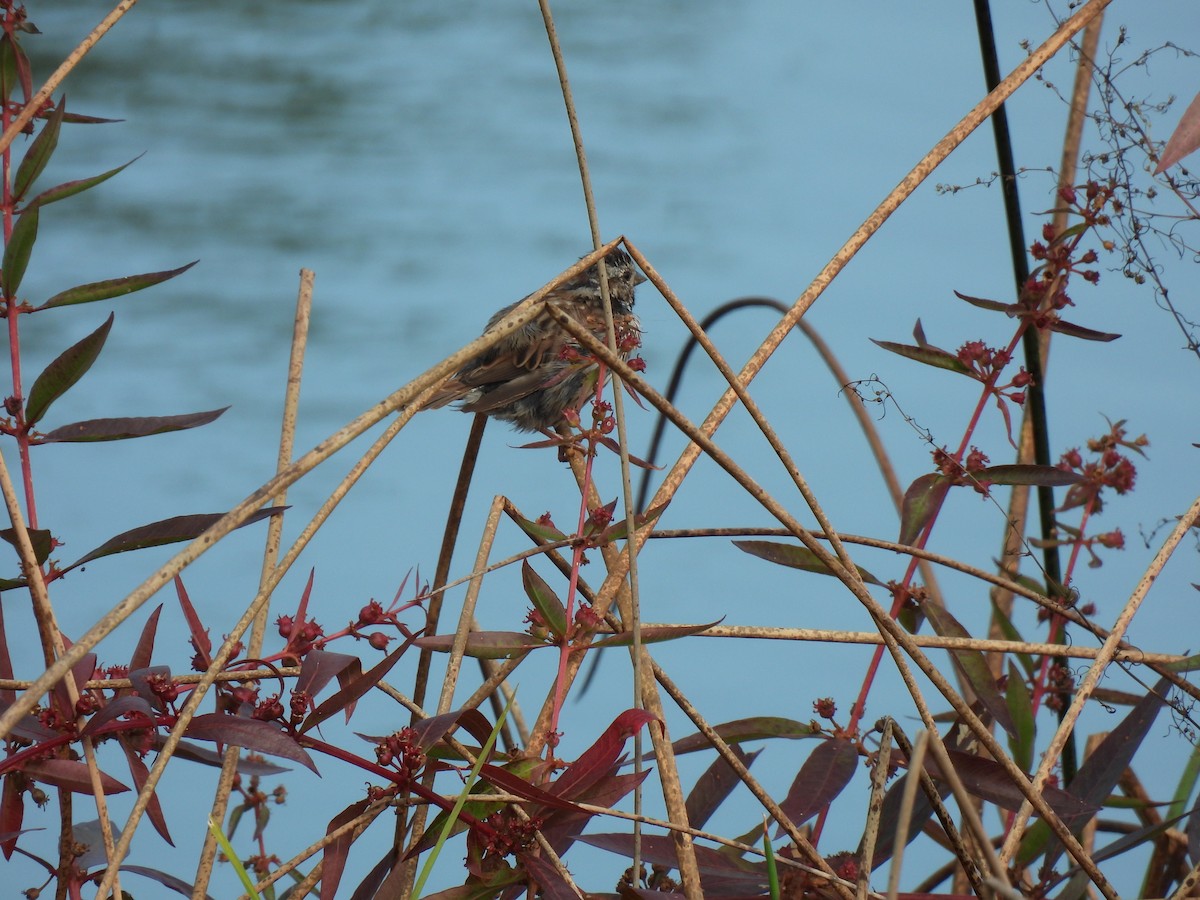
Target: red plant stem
x=564 y=646
x=858 y=710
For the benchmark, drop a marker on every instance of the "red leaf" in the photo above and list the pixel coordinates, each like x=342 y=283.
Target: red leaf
x=351 y=692
x=973 y=666
x=139 y=772
x=600 y=758
x=823 y=776
x=430 y=731
x=253 y=734
x=200 y=639
x=319 y=667
x=553 y=885
x=145 y=645
x=115 y=709
x=795 y=557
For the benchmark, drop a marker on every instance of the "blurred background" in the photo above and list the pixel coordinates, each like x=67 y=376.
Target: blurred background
x=417 y=157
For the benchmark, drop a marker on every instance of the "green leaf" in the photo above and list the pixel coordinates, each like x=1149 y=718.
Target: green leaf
x=795 y=558
x=120 y=429
x=1043 y=476
x=165 y=531
x=972 y=665
x=8 y=66
x=39 y=152
x=538 y=531
x=653 y=634
x=17 y=251
x=113 y=287
x=58 y=377
x=1001 y=620
x=71 y=188
x=922 y=501
x=544 y=600
x=1020 y=707
x=930 y=356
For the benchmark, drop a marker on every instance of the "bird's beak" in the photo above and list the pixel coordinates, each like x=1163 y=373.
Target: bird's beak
x=638 y=278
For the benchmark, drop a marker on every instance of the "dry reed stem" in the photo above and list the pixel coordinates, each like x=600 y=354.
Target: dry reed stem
x=802 y=843
x=916 y=768
x=1094 y=673
x=963 y=858
x=769 y=633
x=426 y=383
x=287 y=440
x=894 y=635
x=879 y=778
x=688 y=868
x=25 y=116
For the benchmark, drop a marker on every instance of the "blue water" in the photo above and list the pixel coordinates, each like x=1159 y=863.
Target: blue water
x=417 y=157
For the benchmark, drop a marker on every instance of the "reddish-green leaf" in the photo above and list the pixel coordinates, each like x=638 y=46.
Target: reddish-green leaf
x=12 y=810
x=71 y=188
x=1099 y=773
x=972 y=665
x=352 y=691
x=178 y=885
x=252 y=734
x=166 y=531
x=120 y=429
x=551 y=884
x=1008 y=309
x=506 y=781
x=207 y=757
x=484 y=644
x=70 y=775
x=922 y=501
x=653 y=634
x=821 y=779
x=113 y=287
x=58 y=377
x=40 y=538
x=17 y=252
x=929 y=355
x=1043 y=476
x=711 y=788
x=544 y=600
x=753 y=729
x=428 y=732
x=39 y=152
x=740 y=877
x=338 y=849
x=1079 y=331
x=795 y=557
x=987 y=779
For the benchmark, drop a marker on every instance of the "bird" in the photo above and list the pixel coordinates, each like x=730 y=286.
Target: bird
x=532 y=376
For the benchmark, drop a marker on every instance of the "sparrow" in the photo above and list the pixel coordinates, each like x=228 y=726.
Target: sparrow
x=532 y=376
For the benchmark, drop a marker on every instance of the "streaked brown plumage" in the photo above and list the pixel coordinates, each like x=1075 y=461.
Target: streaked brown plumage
x=530 y=377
